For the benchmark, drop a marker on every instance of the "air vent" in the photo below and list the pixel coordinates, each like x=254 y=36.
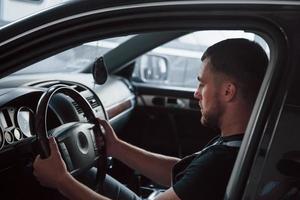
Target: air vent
x=92 y=101
x=78 y=109
x=78 y=88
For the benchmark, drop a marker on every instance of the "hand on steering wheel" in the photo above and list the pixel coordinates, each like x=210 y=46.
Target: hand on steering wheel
x=78 y=142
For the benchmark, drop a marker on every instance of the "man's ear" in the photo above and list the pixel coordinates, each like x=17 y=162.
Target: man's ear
x=230 y=91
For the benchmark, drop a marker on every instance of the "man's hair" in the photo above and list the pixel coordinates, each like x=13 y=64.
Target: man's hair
x=242 y=60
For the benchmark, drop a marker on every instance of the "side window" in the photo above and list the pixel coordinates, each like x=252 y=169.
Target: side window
x=177 y=62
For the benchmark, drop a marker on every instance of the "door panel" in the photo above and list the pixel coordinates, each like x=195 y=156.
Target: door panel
x=167 y=125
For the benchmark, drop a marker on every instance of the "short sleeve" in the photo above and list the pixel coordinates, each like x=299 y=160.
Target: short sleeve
x=207 y=175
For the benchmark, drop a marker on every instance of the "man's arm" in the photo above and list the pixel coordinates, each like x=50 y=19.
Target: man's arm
x=155 y=166
x=52 y=172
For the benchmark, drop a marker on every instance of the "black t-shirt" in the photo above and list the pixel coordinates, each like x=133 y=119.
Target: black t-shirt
x=205 y=174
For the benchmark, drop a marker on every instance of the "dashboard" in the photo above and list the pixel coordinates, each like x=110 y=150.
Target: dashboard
x=19 y=96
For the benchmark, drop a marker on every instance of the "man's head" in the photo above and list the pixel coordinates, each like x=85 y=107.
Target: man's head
x=232 y=72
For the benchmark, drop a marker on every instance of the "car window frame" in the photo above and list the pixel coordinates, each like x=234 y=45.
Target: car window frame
x=275 y=37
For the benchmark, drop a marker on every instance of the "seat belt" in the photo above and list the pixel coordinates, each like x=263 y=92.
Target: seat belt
x=234 y=143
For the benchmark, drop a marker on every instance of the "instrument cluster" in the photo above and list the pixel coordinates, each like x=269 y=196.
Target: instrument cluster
x=15 y=125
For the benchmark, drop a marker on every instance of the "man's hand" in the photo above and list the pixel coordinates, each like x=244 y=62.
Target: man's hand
x=51 y=171
x=111 y=139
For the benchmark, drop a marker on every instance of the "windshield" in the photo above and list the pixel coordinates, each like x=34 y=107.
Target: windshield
x=12 y=10
x=190 y=47
x=75 y=59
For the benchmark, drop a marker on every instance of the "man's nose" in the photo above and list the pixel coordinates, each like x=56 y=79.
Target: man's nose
x=197 y=94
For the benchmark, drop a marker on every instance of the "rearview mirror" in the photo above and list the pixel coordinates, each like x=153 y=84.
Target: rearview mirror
x=99 y=71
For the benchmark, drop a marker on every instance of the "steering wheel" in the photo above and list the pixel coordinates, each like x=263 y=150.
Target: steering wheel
x=79 y=142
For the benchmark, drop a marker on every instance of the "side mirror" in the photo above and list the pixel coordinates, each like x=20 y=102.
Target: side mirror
x=151 y=68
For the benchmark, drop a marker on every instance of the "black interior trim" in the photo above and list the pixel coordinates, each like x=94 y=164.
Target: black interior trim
x=192 y=18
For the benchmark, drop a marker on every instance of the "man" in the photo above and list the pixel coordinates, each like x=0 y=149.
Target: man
x=229 y=80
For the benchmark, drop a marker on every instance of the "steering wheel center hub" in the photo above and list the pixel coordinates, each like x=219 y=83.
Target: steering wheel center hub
x=83 y=143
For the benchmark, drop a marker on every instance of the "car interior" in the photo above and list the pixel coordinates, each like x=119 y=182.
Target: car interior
x=150 y=112
x=135 y=74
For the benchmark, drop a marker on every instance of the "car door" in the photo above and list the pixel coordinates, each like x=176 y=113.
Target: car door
x=63 y=28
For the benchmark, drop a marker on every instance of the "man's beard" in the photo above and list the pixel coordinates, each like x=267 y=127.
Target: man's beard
x=211 y=118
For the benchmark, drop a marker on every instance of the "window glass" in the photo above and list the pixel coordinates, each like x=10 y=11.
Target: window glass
x=176 y=63
x=12 y=10
x=76 y=59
